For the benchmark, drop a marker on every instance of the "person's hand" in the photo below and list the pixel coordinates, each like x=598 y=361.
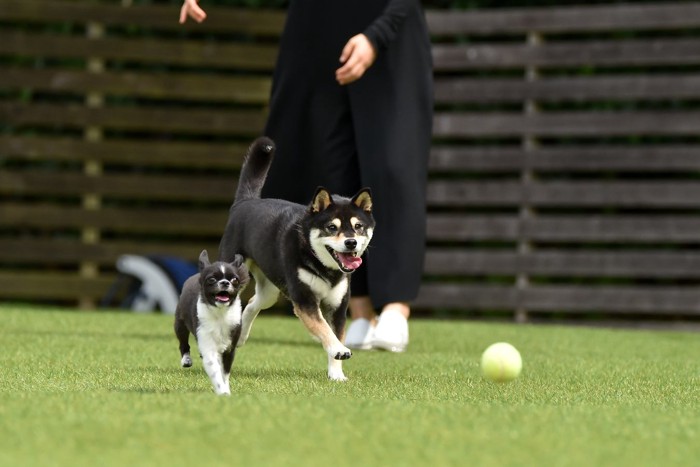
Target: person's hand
x=357 y=56
x=190 y=8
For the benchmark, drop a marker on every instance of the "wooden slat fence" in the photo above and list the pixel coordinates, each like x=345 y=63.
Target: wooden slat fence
x=565 y=165
x=564 y=172
x=123 y=133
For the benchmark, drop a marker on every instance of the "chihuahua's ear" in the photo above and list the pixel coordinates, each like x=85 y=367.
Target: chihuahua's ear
x=363 y=200
x=203 y=260
x=322 y=200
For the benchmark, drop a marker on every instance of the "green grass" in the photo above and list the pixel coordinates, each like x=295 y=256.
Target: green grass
x=105 y=388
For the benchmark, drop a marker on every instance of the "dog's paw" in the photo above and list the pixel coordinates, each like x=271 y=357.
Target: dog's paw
x=222 y=389
x=336 y=374
x=343 y=355
x=340 y=353
x=186 y=361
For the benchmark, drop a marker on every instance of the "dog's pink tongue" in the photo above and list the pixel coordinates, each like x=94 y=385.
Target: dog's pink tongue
x=222 y=297
x=350 y=261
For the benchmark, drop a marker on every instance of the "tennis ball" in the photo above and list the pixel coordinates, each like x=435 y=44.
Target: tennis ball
x=501 y=362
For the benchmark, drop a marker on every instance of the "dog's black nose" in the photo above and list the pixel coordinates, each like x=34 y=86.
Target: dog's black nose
x=224 y=283
x=350 y=243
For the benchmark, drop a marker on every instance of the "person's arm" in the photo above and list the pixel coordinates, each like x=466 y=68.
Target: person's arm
x=192 y=9
x=384 y=29
x=361 y=50
x=357 y=56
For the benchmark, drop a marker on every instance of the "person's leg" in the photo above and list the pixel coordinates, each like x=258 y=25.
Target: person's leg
x=360 y=333
x=362 y=308
x=363 y=315
x=402 y=308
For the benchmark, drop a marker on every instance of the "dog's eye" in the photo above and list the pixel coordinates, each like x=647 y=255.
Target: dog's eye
x=211 y=281
x=234 y=281
x=359 y=226
x=332 y=228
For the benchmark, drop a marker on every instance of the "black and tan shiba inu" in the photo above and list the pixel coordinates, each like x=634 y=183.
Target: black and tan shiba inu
x=305 y=252
x=210 y=309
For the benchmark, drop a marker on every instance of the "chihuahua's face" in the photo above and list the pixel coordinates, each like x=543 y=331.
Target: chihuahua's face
x=221 y=282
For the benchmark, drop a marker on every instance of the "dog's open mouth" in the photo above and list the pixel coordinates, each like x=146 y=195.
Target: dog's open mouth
x=348 y=262
x=223 y=297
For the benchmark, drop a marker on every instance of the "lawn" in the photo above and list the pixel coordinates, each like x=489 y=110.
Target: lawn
x=105 y=389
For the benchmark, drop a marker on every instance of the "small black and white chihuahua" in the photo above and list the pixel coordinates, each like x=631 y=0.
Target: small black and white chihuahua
x=210 y=309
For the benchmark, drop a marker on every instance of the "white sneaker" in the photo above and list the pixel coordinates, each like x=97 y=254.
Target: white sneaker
x=391 y=332
x=359 y=334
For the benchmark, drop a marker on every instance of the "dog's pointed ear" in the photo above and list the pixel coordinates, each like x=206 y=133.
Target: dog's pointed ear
x=322 y=200
x=203 y=260
x=241 y=269
x=363 y=200
x=237 y=261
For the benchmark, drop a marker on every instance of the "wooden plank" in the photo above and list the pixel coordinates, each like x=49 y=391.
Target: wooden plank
x=472 y=227
x=651 y=228
x=241 y=122
x=466 y=296
x=629 y=194
x=65 y=251
x=134 y=186
x=47 y=285
x=192 y=53
x=620 y=53
x=246 y=89
x=594 y=263
x=441 y=22
x=643 y=229
x=441 y=193
x=171 y=85
x=200 y=222
x=571 y=158
x=553 y=124
x=571 y=193
x=565 y=19
x=141 y=153
x=262 y=22
x=618 y=300
x=556 y=263
x=455 y=90
x=563 y=299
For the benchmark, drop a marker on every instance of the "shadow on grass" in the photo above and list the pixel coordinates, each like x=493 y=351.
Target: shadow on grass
x=94 y=334
x=197 y=371
x=191 y=380
x=284 y=342
x=277 y=373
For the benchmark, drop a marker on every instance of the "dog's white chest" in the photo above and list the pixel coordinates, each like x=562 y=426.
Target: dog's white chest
x=216 y=323
x=332 y=296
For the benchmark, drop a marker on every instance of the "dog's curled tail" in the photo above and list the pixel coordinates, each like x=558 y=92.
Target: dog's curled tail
x=254 y=171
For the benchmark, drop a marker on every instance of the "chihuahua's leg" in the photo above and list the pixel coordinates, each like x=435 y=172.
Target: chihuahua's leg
x=183 y=336
x=266 y=295
x=226 y=363
x=317 y=325
x=228 y=356
x=211 y=359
